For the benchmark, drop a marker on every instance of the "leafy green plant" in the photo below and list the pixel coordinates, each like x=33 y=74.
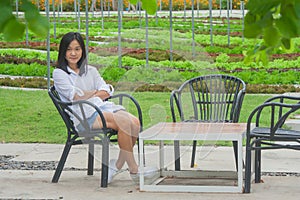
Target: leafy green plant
x=113 y=73
x=147 y=75
x=222 y=58
x=276 y=21
x=13 y=28
x=29 y=53
x=264 y=77
x=184 y=64
x=33 y=69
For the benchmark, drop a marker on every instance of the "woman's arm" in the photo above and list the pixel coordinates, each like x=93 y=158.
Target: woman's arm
x=104 y=90
x=85 y=95
x=67 y=90
x=102 y=94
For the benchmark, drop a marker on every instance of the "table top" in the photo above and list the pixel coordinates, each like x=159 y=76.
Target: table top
x=194 y=130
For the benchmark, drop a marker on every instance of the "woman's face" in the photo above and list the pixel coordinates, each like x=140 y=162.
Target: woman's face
x=73 y=54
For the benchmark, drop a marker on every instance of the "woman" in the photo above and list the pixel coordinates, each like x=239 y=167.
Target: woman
x=75 y=80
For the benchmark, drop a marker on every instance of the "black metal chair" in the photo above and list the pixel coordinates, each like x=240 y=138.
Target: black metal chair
x=266 y=129
x=88 y=136
x=209 y=98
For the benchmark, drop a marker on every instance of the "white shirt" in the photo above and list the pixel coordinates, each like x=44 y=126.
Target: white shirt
x=67 y=85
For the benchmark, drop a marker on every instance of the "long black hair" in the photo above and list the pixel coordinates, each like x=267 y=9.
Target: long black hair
x=62 y=63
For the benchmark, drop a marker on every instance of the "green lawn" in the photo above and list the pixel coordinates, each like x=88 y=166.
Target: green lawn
x=30 y=116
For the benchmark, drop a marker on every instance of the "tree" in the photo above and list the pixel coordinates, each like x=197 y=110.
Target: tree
x=277 y=22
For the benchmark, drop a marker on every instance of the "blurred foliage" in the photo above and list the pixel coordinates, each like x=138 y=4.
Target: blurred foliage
x=13 y=28
x=149 y=5
x=277 y=22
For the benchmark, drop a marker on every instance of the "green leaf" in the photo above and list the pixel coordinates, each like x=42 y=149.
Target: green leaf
x=31 y=12
x=286 y=27
x=5 y=3
x=252 y=31
x=150 y=6
x=251 y=18
x=286 y=43
x=266 y=20
x=264 y=57
x=262 y=6
x=5 y=14
x=297 y=8
x=289 y=24
x=248 y=59
x=252 y=28
x=271 y=36
x=133 y=1
x=39 y=26
x=13 y=30
x=36 y=23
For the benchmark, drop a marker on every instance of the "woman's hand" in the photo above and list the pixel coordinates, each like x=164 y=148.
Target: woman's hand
x=85 y=95
x=102 y=94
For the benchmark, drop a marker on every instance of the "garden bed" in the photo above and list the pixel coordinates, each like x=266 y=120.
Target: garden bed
x=281 y=75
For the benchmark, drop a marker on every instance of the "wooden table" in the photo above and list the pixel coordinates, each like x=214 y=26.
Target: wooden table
x=192 y=131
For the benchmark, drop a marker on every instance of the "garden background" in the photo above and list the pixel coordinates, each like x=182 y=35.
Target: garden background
x=163 y=4
x=23 y=63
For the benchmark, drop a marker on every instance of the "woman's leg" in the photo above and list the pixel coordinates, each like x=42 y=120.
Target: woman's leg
x=128 y=127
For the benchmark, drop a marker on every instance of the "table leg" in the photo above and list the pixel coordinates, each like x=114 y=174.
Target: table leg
x=141 y=146
x=240 y=163
x=161 y=155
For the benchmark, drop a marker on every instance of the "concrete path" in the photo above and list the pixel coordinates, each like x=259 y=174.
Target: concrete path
x=75 y=184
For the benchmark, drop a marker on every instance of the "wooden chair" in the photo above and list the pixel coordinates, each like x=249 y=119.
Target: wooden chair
x=209 y=98
x=270 y=132
x=88 y=136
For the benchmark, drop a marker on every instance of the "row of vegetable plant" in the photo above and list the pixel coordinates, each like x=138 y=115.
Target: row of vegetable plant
x=189 y=59
x=277 y=72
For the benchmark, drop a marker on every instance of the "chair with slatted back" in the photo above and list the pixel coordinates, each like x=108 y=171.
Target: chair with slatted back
x=89 y=136
x=267 y=129
x=209 y=98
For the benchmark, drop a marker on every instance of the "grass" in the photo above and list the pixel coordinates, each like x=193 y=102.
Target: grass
x=30 y=116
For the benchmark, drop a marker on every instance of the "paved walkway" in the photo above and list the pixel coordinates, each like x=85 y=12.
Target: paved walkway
x=75 y=184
